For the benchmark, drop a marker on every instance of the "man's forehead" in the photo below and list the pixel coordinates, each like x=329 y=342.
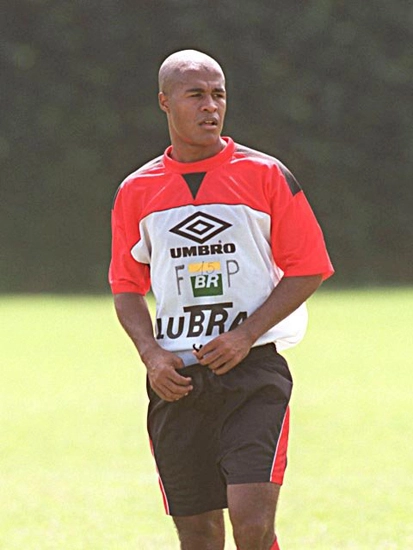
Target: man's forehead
x=200 y=78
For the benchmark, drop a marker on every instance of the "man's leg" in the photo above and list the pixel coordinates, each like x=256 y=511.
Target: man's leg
x=201 y=532
x=252 y=509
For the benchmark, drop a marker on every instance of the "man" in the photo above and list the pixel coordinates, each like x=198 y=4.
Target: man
x=227 y=241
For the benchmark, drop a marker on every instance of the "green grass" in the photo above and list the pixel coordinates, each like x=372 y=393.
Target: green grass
x=75 y=468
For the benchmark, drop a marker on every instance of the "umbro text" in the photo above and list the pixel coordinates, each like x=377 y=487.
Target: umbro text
x=203 y=250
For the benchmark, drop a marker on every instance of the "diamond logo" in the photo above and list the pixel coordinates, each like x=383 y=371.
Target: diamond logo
x=200 y=227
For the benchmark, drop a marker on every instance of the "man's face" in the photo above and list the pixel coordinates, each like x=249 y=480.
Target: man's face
x=195 y=104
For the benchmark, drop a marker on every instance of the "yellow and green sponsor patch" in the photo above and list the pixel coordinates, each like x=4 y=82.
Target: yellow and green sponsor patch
x=206 y=278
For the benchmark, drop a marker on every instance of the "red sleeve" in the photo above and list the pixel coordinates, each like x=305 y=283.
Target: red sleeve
x=125 y=273
x=297 y=240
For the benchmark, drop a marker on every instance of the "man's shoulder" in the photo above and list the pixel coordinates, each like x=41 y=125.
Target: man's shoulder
x=249 y=152
x=256 y=156
x=259 y=158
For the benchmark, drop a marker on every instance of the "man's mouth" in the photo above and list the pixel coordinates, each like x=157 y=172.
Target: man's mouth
x=209 y=122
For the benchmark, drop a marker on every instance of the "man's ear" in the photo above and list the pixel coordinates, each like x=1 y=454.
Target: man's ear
x=163 y=102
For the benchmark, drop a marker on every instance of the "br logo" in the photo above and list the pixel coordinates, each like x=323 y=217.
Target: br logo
x=206 y=279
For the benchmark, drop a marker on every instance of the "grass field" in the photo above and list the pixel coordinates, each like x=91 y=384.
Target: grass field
x=75 y=468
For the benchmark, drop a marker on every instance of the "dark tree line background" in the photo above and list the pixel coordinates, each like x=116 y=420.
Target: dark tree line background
x=324 y=85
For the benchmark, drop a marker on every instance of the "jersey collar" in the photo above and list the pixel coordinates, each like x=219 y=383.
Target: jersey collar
x=202 y=165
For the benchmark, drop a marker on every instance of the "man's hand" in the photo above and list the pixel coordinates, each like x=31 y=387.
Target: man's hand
x=164 y=380
x=225 y=351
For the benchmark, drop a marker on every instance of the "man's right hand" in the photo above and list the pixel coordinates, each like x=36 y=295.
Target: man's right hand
x=161 y=366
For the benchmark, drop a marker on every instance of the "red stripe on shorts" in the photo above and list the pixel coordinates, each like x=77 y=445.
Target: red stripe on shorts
x=280 y=458
x=164 y=498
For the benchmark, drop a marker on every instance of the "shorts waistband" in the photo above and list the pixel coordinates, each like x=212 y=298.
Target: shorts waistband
x=256 y=351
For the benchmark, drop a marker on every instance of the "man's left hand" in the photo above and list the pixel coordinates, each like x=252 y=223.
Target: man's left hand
x=224 y=352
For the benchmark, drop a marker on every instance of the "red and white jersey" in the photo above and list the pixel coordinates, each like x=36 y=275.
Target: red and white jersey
x=213 y=238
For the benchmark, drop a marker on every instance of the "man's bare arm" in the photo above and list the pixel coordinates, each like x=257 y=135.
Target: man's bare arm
x=133 y=314
x=226 y=350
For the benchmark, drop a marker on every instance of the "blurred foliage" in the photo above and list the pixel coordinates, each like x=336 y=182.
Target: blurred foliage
x=325 y=85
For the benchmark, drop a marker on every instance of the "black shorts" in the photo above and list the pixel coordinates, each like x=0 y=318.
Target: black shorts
x=230 y=429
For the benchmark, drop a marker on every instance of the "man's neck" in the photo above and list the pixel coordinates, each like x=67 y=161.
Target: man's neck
x=188 y=154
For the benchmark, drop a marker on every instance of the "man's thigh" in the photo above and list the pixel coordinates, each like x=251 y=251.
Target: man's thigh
x=253 y=499
x=185 y=446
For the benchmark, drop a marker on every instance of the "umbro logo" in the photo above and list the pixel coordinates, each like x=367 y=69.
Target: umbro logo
x=200 y=227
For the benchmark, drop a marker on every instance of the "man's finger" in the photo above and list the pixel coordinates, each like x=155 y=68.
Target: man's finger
x=171 y=392
x=179 y=379
x=211 y=357
x=226 y=367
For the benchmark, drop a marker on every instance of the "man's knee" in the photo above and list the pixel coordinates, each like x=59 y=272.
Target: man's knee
x=252 y=512
x=203 y=531
x=256 y=533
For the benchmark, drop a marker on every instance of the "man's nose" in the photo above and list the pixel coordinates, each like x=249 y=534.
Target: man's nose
x=209 y=104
